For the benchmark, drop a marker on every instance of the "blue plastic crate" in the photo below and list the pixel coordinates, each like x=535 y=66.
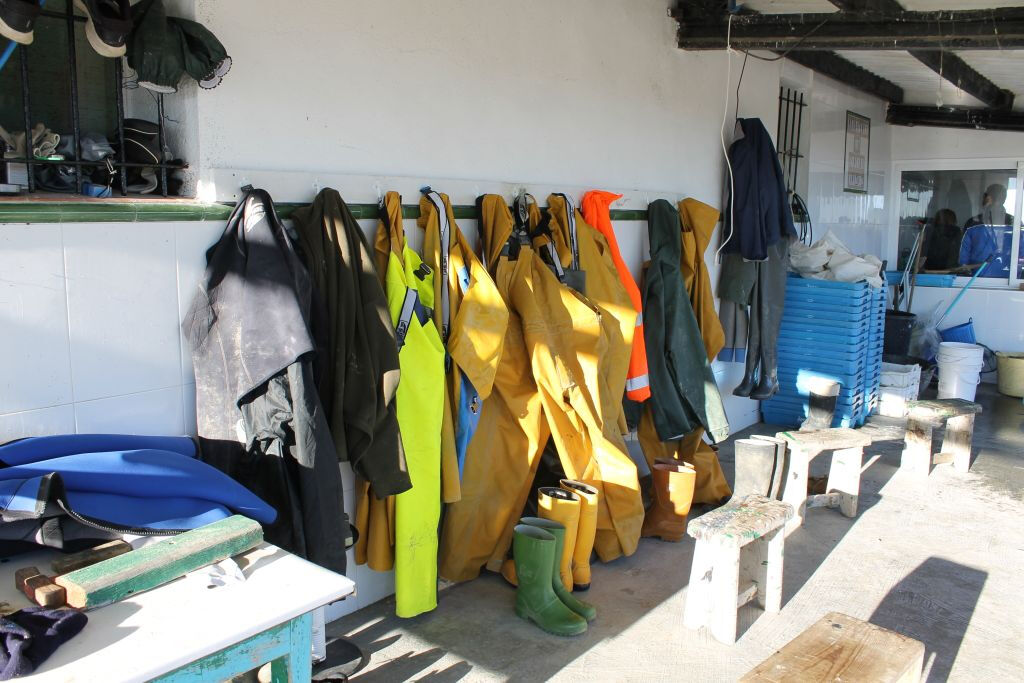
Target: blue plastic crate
x=851 y=366
x=818 y=332
x=852 y=314
x=796 y=280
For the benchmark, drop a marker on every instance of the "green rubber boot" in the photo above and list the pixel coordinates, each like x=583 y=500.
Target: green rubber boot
x=557 y=529
x=534 y=551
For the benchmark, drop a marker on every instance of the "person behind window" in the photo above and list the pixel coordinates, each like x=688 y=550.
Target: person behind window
x=942 y=241
x=986 y=237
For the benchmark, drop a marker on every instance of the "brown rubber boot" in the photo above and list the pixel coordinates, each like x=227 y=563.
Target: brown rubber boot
x=673 y=492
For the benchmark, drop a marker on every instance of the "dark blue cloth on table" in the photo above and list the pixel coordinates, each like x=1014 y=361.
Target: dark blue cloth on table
x=28 y=637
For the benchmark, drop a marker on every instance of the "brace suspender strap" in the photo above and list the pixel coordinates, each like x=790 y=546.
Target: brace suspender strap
x=446 y=238
x=412 y=298
x=570 y=217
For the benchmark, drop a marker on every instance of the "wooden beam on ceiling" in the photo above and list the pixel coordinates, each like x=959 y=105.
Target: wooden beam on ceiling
x=955 y=117
x=843 y=70
x=946 y=64
x=985 y=29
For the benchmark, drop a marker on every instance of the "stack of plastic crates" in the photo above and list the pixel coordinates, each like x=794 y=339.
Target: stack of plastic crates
x=876 y=332
x=830 y=330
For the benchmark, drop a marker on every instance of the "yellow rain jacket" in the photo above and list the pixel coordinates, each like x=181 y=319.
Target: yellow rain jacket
x=697 y=222
x=412 y=527
x=471 y=318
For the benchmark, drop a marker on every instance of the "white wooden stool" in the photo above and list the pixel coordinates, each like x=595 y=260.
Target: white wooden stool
x=726 y=573
x=922 y=418
x=843 y=487
x=841 y=648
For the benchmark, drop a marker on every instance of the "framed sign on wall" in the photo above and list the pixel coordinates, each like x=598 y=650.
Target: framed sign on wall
x=855 y=159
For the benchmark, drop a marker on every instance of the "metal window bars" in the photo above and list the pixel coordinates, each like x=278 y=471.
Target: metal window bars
x=122 y=164
x=790 y=123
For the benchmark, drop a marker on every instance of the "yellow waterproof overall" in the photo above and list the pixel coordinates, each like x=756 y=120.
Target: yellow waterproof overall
x=411 y=523
x=579 y=245
x=546 y=384
x=471 y=318
x=697 y=222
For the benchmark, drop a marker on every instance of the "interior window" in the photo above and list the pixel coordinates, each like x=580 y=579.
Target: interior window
x=966 y=217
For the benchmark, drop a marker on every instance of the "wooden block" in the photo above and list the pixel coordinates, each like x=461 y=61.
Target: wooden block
x=24 y=574
x=741 y=521
x=827 y=439
x=959 y=434
x=841 y=648
x=32 y=584
x=697 y=609
x=772 y=549
x=725 y=584
x=120 y=577
x=794 y=489
x=917 y=447
x=50 y=595
x=844 y=478
x=69 y=563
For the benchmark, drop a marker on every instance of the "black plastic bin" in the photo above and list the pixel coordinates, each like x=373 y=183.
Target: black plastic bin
x=898 y=326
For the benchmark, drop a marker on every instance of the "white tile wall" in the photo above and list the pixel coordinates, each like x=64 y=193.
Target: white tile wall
x=35 y=367
x=89 y=326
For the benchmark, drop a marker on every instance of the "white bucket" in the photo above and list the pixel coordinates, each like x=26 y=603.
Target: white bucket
x=959 y=369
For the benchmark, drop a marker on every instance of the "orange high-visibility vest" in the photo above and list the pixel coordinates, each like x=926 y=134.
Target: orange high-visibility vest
x=595 y=212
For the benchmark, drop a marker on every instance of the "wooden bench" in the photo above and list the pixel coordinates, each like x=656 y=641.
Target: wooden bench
x=843 y=487
x=922 y=418
x=726 y=574
x=841 y=648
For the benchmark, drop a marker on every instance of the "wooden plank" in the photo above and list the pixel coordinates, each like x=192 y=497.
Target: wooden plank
x=827 y=439
x=697 y=610
x=841 y=648
x=844 y=478
x=741 y=521
x=822 y=500
x=746 y=594
x=725 y=584
x=50 y=595
x=69 y=563
x=119 y=577
x=941 y=408
x=772 y=549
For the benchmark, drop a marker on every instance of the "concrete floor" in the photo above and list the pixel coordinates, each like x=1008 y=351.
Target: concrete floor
x=940 y=560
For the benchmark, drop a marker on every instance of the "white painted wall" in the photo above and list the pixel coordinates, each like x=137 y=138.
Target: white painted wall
x=562 y=96
x=919 y=142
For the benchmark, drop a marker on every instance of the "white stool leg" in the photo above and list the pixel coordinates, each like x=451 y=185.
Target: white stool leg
x=794 y=491
x=725 y=586
x=769 y=584
x=698 y=594
x=917 y=448
x=957 y=442
x=844 y=478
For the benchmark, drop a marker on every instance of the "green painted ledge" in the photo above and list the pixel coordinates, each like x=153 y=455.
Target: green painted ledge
x=155 y=210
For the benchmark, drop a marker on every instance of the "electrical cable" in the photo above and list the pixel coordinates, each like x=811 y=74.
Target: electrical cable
x=725 y=150
x=806 y=233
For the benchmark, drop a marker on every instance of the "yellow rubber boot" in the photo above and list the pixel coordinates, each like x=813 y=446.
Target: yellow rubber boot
x=585 y=534
x=562 y=506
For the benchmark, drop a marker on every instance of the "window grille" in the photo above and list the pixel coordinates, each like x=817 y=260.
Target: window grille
x=791 y=117
x=119 y=162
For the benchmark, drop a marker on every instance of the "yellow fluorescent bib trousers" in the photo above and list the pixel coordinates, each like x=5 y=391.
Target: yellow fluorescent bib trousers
x=412 y=526
x=471 y=317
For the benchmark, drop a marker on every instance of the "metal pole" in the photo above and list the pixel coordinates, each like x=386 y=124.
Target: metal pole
x=160 y=127
x=29 y=168
x=122 y=171
x=73 y=72
x=799 y=133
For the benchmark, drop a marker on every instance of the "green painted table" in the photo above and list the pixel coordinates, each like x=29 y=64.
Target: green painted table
x=189 y=631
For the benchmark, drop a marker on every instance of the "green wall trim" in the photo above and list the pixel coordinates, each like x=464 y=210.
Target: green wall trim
x=149 y=211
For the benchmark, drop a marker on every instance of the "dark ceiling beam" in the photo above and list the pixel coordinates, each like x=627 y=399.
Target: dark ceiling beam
x=955 y=117
x=948 y=65
x=826 y=63
x=843 y=70
x=987 y=29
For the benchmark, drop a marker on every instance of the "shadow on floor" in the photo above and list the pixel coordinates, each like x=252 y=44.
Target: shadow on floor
x=933 y=604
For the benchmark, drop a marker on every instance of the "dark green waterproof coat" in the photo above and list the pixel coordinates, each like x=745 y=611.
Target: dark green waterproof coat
x=684 y=394
x=360 y=375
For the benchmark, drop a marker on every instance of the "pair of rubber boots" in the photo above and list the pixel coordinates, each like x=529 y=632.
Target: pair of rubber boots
x=541 y=597
x=673 y=487
x=574 y=505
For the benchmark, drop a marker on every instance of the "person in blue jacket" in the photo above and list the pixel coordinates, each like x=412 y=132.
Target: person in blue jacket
x=986 y=235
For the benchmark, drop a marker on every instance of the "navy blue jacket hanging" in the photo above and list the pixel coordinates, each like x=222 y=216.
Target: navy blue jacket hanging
x=759 y=200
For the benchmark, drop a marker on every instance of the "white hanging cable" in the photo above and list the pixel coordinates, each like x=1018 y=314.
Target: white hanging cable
x=725 y=150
